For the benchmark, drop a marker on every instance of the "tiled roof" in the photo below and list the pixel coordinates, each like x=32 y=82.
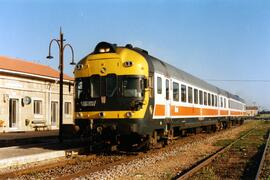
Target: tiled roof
x=252 y=108
x=18 y=65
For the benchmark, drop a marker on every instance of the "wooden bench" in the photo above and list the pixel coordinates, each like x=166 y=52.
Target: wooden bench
x=39 y=124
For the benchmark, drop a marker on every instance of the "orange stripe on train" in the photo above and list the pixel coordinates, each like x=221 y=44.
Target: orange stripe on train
x=192 y=111
x=184 y=111
x=235 y=113
x=160 y=110
x=224 y=112
x=211 y=112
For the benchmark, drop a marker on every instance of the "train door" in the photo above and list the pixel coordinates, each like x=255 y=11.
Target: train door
x=167 y=98
x=160 y=93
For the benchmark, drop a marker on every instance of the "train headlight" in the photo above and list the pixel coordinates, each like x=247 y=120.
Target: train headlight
x=128 y=63
x=128 y=114
x=101 y=114
x=79 y=114
x=104 y=47
x=104 y=50
x=79 y=66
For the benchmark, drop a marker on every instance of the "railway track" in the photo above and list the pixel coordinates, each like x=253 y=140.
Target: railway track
x=262 y=162
x=204 y=162
x=66 y=168
x=100 y=165
x=82 y=173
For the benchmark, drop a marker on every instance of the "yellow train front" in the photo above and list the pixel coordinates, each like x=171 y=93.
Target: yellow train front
x=112 y=97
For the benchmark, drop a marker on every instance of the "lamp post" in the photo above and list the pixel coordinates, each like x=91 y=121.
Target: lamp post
x=62 y=46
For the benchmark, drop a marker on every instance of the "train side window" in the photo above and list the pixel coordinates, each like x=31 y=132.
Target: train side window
x=175 y=91
x=159 y=85
x=209 y=99
x=167 y=89
x=183 y=93
x=213 y=100
x=205 y=98
x=196 y=96
x=221 y=102
x=201 y=97
x=190 y=95
x=225 y=105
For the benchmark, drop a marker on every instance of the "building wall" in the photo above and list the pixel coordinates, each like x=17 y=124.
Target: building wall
x=16 y=88
x=252 y=112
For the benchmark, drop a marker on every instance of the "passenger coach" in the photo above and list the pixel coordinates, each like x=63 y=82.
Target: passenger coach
x=125 y=96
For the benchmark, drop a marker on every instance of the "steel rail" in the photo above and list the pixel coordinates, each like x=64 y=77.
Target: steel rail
x=263 y=157
x=195 y=168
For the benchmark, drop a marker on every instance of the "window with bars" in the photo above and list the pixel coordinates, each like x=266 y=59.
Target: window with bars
x=37 y=107
x=67 y=108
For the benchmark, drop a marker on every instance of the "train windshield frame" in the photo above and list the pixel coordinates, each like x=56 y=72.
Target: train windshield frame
x=128 y=86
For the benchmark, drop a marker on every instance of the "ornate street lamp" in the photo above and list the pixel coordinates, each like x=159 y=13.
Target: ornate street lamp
x=60 y=43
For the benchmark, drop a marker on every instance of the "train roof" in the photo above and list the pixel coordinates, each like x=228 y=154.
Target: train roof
x=171 y=71
x=162 y=67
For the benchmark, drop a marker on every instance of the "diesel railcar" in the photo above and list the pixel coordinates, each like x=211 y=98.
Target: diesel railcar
x=123 y=95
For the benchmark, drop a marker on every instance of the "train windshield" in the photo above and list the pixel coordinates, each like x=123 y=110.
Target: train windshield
x=132 y=87
x=109 y=86
x=96 y=86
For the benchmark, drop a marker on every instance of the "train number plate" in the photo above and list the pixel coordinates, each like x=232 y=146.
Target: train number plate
x=88 y=103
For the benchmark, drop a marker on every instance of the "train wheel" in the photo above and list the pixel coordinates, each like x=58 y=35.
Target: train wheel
x=241 y=121
x=153 y=139
x=183 y=133
x=208 y=129
x=229 y=124
x=218 y=126
x=168 y=139
x=214 y=128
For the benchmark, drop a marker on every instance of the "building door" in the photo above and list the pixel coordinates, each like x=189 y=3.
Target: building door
x=13 y=112
x=54 y=113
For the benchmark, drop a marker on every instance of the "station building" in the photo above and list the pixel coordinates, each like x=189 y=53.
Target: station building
x=252 y=110
x=29 y=96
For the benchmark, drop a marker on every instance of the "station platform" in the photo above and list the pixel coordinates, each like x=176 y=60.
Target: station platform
x=27 y=137
x=20 y=148
x=19 y=155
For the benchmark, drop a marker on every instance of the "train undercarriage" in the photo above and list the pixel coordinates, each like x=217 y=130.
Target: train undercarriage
x=113 y=136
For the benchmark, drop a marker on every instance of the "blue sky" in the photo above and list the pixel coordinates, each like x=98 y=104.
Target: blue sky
x=211 y=39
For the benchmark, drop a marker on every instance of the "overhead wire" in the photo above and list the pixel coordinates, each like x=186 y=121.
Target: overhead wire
x=240 y=80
